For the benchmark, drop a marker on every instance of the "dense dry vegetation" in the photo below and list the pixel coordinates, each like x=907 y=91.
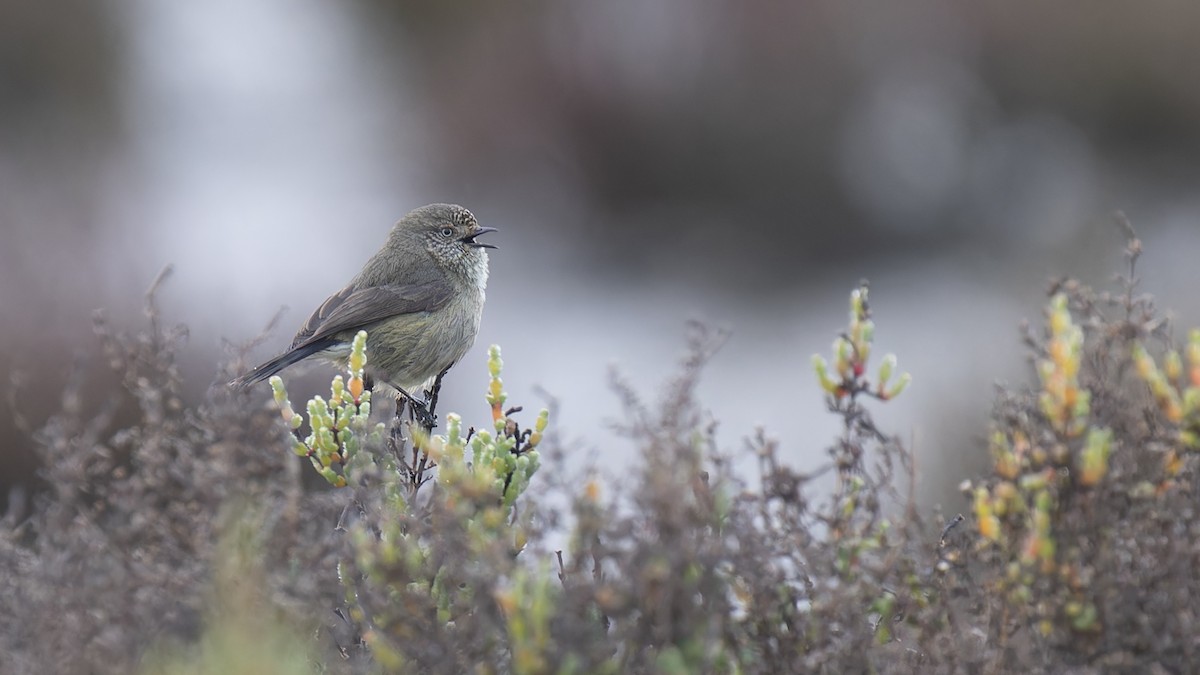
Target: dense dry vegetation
x=194 y=540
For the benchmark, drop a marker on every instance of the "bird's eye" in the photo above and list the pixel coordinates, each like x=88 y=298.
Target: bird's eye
x=447 y=232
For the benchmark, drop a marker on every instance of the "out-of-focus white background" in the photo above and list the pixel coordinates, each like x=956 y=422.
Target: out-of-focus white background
x=647 y=162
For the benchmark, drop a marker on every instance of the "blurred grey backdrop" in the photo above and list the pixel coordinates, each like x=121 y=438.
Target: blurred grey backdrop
x=647 y=162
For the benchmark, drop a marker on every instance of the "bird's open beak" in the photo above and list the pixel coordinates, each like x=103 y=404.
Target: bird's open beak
x=469 y=240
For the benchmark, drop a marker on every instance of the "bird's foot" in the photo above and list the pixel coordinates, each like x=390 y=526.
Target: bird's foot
x=423 y=416
x=419 y=410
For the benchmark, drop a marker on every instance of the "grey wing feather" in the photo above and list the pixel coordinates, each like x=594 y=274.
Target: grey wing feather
x=320 y=315
x=352 y=309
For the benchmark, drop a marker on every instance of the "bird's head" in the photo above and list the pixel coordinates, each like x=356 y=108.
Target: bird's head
x=449 y=233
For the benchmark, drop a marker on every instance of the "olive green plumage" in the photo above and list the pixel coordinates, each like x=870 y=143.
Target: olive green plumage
x=420 y=299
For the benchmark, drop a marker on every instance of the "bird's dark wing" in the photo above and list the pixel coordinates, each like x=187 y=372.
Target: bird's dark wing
x=320 y=315
x=347 y=310
x=352 y=309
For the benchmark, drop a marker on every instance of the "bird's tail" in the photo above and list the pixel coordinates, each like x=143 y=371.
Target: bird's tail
x=277 y=364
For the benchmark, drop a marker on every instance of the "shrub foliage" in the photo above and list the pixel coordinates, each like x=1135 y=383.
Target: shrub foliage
x=189 y=539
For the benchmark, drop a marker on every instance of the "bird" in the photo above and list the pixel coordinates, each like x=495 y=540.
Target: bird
x=420 y=298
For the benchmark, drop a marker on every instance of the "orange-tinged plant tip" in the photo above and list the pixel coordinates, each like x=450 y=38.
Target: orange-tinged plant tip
x=1173 y=411
x=1092 y=473
x=1172 y=463
x=1142 y=362
x=1060 y=352
x=1007 y=465
x=989 y=524
x=989 y=528
x=507 y=601
x=591 y=491
x=356 y=388
x=1004 y=490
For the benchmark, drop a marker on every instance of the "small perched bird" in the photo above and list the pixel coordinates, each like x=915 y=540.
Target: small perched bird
x=420 y=299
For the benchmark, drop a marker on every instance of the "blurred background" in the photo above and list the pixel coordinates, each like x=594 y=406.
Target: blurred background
x=647 y=162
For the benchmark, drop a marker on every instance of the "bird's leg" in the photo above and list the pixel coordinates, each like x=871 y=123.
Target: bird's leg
x=420 y=412
x=432 y=394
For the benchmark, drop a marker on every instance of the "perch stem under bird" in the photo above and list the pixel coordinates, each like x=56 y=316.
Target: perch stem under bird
x=420 y=299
